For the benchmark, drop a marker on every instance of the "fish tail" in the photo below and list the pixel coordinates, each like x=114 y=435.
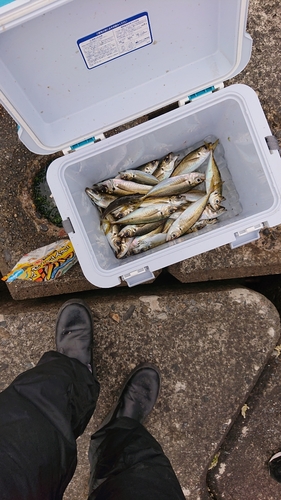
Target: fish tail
x=212 y=146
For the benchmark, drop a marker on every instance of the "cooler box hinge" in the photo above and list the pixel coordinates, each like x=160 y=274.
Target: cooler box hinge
x=272 y=144
x=247 y=235
x=67 y=226
x=137 y=277
x=200 y=93
x=81 y=144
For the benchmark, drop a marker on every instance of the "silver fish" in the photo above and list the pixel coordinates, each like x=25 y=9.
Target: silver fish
x=139 y=176
x=215 y=199
x=213 y=179
x=124 y=247
x=210 y=213
x=167 y=224
x=124 y=205
x=176 y=185
x=145 y=215
x=186 y=220
x=129 y=207
x=179 y=211
x=194 y=159
x=111 y=231
x=133 y=230
x=150 y=242
x=149 y=167
x=176 y=201
x=200 y=224
x=166 y=167
x=121 y=187
x=119 y=202
x=193 y=195
x=101 y=200
x=171 y=219
x=139 y=241
x=123 y=211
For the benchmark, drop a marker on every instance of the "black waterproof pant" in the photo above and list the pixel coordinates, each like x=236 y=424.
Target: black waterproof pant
x=43 y=412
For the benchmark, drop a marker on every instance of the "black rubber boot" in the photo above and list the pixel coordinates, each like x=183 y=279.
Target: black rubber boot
x=138 y=394
x=74 y=332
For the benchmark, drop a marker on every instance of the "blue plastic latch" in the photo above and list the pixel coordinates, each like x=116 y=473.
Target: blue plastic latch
x=82 y=143
x=5 y=2
x=201 y=92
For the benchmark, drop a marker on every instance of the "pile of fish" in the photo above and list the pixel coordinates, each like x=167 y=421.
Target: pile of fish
x=159 y=201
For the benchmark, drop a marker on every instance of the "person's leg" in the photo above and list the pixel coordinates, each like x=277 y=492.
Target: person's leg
x=44 y=410
x=127 y=463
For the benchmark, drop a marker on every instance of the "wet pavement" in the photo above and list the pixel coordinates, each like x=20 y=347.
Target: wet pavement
x=210 y=343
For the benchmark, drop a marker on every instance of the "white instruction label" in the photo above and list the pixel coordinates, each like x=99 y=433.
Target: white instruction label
x=116 y=40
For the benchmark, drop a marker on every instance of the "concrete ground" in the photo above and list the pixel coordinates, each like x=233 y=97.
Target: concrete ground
x=215 y=344
x=211 y=344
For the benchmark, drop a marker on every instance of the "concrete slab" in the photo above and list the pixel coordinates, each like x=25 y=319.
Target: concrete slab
x=21 y=230
x=242 y=467
x=262 y=74
x=211 y=344
x=261 y=257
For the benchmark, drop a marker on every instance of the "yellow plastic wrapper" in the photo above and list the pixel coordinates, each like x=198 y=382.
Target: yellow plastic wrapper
x=44 y=264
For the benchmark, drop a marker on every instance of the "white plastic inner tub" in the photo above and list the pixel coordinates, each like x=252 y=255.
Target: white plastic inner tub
x=226 y=115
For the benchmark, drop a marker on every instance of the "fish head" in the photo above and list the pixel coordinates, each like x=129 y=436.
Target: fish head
x=151 y=166
x=195 y=178
x=105 y=224
x=215 y=199
x=220 y=211
x=127 y=176
x=211 y=221
x=174 y=157
x=102 y=187
x=173 y=235
x=94 y=196
x=203 y=151
x=125 y=247
x=128 y=232
x=167 y=210
x=168 y=157
x=172 y=209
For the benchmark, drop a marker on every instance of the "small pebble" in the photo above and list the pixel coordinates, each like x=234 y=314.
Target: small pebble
x=7 y=255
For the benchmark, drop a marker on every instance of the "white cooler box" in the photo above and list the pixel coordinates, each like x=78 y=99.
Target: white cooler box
x=85 y=67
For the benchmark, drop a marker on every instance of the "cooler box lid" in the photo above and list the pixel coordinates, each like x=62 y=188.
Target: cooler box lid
x=69 y=73
x=13 y=12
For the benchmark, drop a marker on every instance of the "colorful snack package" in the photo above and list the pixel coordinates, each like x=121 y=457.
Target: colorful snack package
x=45 y=263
